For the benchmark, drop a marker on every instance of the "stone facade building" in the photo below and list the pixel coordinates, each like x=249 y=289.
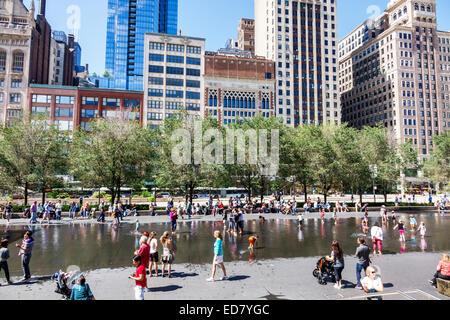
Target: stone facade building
x=393 y=71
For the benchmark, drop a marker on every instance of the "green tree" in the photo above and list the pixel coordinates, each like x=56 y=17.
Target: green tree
x=437 y=167
x=112 y=154
x=33 y=154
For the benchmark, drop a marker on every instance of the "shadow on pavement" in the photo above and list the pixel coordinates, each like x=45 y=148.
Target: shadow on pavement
x=183 y=275
x=165 y=289
x=238 y=278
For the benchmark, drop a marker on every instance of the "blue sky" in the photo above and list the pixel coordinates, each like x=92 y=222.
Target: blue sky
x=214 y=20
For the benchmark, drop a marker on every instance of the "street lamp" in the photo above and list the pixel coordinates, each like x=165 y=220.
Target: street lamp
x=373 y=171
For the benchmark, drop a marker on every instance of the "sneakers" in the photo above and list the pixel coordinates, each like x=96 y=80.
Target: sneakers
x=210 y=279
x=336 y=286
x=225 y=278
x=359 y=287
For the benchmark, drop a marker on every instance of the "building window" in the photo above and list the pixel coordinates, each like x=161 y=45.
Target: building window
x=175 y=47
x=2 y=60
x=14 y=98
x=155 y=92
x=40 y=110
x=175 y=82
x=154 y=116
x=39 y=98
x=195 y=61
x=132 y=103
x=109 y=114
x=175 y=59
x=174 y=70
x=192 y=83
x=155 y=69
x=192 y=95
x=191 y=49
x=155 y=80
x=89 y=101
x=193 y=72
x=156 y=46
x=88 y=113
x=156 y=57
x=64 y=112
x=16 y=83
x=111 y=102
x=18 y=58
x=155 y=104
x=64 y=125
x=64 y=99
x=174 y=94
x=86 y=126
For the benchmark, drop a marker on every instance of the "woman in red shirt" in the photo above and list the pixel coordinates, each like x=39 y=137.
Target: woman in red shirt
x=140 y=277
x=443 y=270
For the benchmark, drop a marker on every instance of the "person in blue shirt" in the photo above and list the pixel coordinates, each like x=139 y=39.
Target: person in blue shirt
x=81 y=290
x=218 y=256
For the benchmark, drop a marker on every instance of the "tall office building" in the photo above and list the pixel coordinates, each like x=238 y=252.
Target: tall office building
x=174 y=77
x=301 y=37
x=128 y=21
x=393 y=70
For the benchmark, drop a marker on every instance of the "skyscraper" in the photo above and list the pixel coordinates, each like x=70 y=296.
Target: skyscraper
x=301 y=37
x=393 y=71
x=128 y=21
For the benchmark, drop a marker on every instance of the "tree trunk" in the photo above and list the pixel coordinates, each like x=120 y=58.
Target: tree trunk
x=306 y=192
x=43 y=195
x=118 y=193
x=113 y=196
x=99 y=196
x=360 y=197
x=262 y=189
x=26 y=194
x=325 y=197
x=191 y=193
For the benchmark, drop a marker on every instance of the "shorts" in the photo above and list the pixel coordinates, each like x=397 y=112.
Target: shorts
x=139 y=293
x=154 y=257
x=401 y=231
x=167 y=259
x=219 y=260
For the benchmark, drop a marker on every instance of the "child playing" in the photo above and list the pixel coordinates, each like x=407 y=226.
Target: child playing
x=412 y=222
x=4 y=256
x=300 y=220
x=140 y=277
x=422 y=229
x=322 y=215
x=393 y=216
x=401 y=229
x=252 y=240
x=138 y=225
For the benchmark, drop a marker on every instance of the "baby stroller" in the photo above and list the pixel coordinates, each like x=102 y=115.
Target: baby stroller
x=324 y=268
x=65 y=282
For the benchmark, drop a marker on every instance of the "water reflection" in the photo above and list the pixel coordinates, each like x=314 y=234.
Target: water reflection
x=104 y=246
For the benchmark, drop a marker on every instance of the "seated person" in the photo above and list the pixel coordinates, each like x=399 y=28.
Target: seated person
x=443 y=270
x=372 y=283
x=81 y=290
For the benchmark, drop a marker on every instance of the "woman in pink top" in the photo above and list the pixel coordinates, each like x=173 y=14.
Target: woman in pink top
x=443 y=270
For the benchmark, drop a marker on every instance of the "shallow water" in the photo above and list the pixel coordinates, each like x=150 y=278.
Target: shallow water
x=92 y=246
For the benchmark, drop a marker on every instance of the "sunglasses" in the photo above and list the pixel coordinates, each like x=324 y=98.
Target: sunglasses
x=373 y=272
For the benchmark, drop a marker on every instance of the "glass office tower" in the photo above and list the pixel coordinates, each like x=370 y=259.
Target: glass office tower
x=128 y=21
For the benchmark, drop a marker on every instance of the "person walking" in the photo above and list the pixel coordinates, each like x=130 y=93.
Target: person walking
x=8 y=211
x=168 y=253
x=58 y=208
x=33 y=210
x=144 y=251
x=377 y=237
x=337 y=256
x=4 y=256
x=101 y=217
x=218 y=257
x=153 y=242
x=362 y=253
x=140 y=276
x=173 y=220
x=25 y=252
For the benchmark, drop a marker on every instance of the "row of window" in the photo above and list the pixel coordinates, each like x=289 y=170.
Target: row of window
x=174 y=47
x=174 y=59
x=174 y=82
x=174 y=70
x=88 y=101
x=173 y=94
x=17 y=63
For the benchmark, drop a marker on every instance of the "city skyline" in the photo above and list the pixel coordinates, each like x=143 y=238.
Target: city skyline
x=92 y=32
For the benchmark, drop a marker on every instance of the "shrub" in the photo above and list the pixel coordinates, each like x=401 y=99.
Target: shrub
x=145 y=194
x=96 y=194
x=151 y=199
